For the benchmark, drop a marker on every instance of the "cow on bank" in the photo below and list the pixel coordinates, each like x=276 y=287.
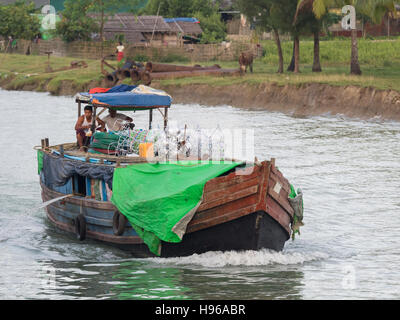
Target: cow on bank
x=246 y=60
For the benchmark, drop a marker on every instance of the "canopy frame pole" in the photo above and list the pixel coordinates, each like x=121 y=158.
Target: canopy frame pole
x=166 y=119
x=151 y=119
x=79 y=109
x=94 y=120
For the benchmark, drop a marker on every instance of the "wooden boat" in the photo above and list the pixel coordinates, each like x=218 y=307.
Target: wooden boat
x=247 y=211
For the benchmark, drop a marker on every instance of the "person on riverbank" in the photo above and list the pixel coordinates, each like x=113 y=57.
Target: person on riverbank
x=115 y=121
x=83 y=128
x=120 y=51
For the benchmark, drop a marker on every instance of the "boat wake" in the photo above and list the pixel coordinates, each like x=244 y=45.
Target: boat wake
x=263 y=257
x=47 y=203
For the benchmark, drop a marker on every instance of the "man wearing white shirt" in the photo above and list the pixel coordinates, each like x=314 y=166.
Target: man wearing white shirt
x=115 y=121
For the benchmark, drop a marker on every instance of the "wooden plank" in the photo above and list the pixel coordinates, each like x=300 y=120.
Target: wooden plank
x=281 y=177
x=229 y=180
x=96 y=235
x=212 y=194
x=224 y=209
x=234 y=183
x=282 y=199
x=264 y=182
x=278 y=213
x=228 y=197
x=228 y=216
x=285 y=184
x=102 y=205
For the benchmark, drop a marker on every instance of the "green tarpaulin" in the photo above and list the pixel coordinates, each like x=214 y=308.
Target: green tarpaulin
x=40 y=161
x=159 y=200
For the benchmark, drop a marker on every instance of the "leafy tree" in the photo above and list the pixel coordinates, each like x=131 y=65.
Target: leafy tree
x=214 y=29
x=375 y=9
x=17 y=21
x=271 y=15
x=262 y=13
x=319 y=8
x=206 y=11
x=105 y=8
x=75 y=23
x=278 y=16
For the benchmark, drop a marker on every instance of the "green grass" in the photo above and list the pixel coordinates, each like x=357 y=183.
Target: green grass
x=379 y=59
x=30 y=70
x=373 y=53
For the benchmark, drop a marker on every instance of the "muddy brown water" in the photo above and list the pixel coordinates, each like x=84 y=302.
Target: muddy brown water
x=348 y=249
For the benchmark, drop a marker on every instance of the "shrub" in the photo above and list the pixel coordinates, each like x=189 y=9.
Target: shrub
x=172 y=57
x=141 y=58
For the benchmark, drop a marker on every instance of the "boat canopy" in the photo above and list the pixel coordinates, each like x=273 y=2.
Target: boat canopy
x=125 y=97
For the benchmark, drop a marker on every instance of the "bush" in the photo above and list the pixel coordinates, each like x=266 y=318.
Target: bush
x=75 y=24
x=214 y=30
x=172 y=57
x=140 y=58
x=374 y=53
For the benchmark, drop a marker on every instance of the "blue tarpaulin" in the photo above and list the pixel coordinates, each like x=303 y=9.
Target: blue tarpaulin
x=169 y=20
x=130 y=96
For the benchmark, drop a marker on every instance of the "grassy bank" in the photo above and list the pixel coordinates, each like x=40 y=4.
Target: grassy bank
x=22 y=72
x=379 y=59
x=380 y=63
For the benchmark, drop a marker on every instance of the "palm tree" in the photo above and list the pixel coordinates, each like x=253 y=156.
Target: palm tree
x=375 y=9
x=319 y=8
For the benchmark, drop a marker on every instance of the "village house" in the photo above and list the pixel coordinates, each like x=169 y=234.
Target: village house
x=149 y=30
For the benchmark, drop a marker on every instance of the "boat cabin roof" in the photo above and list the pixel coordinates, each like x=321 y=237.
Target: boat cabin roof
x=125 y=97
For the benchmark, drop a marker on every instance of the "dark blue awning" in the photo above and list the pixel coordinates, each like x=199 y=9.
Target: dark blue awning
x=128 y=97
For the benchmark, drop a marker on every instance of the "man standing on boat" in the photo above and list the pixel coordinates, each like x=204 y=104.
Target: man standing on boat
x=83 y=128
x=115 y=121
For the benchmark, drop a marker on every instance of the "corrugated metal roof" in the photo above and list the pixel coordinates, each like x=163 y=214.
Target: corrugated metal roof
x=128 y=21
x=185 y=26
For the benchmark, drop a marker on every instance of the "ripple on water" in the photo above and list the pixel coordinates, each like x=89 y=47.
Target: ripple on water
x=348 y=170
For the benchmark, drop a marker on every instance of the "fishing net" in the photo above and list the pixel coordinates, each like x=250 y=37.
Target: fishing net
x=296 y=202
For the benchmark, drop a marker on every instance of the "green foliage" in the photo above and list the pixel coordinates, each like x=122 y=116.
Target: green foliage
x=140 y=58
x=336 y=52
x=180 y=8
x=16 y=20
x=214 y=29
x=172 y=57
x=75 y=24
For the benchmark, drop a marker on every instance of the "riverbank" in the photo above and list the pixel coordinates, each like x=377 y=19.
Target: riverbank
x=300 y=101
x=375 y=94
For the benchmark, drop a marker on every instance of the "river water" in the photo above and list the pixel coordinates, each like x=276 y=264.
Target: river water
x=349 y=248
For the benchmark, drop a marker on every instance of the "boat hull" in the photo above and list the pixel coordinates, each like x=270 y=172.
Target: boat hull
x=252 y=232
x=238 y=212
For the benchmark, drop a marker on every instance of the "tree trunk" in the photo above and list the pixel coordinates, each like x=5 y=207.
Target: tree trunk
x=278 y=44
x=291 y=65
x=102 y=29
x=317 y=63
x=355 y=65
x=297 y=54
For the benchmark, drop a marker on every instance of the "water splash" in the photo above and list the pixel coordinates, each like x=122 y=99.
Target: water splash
x=47 y=203
x=264 y=257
